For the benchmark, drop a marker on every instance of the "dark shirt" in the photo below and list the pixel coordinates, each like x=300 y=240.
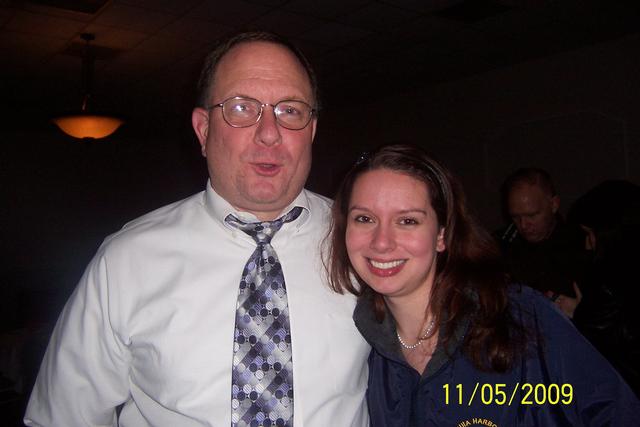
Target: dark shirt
x=550 y=265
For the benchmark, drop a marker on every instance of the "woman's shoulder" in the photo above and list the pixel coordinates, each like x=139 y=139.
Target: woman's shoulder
x=550 y=331
x=539 y=316
x=523 y=299
x=563 y=356
x=519 y=292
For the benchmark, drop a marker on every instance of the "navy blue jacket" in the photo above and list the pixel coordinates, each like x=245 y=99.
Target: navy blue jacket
x=563 y=381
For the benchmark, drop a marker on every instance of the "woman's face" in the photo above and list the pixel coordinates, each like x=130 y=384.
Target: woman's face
x=393 y=234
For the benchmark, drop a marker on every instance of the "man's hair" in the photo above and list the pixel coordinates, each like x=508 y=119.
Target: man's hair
x=532 y=176
x=207 y=74
x=469 y=281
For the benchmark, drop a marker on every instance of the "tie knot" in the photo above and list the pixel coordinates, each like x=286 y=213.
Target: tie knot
x=262 y=232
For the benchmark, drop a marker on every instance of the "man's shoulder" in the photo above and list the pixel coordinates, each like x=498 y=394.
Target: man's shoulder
x=169 y=217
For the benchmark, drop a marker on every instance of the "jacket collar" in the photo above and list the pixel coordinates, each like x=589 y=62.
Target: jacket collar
x=382 y=336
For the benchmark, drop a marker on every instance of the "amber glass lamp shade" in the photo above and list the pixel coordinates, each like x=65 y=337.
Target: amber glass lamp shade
x=88 y=125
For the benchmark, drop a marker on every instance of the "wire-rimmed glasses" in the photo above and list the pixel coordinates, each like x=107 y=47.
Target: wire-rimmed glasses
x=240 y=112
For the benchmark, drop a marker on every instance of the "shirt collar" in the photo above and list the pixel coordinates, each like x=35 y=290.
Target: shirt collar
x=218 y=208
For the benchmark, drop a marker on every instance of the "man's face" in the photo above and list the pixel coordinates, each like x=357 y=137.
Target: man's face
x=533 y=211
x=260 y=168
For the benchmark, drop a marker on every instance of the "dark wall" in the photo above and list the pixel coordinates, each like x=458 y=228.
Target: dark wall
x=576 y=114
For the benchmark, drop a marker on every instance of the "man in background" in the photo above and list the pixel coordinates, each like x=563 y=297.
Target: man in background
x=540 y=249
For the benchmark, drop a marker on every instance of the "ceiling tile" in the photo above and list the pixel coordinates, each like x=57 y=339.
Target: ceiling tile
x=115 y=38
x=288 y=24
x=173 y=49
x=194 y=29
x=377 y=17
x=134 y=18
x=334 y=34
x=468 y=39
x=374 y=45
x=170 y=6
x=470 y=11
x=135 y=65
x=28 y=45
x=420 y=53
x=87 y=7
x=269 y=3
x=327 y=9
x=448 y=36
x=425 y=28
x=516 y=21
x=229 y=13
x=44 y=25
x=54 y=11
x=154 y=54
x=423 y=6
x=532 y=44
x=466 y=63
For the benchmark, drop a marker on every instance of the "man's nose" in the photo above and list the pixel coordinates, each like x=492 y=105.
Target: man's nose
x=268 y=130
x=526 y=224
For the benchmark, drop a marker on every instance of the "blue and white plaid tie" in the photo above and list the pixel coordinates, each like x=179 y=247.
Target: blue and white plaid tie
x=262 y=378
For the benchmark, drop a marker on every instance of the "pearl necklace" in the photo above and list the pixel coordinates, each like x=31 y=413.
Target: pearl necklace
x=427 y=334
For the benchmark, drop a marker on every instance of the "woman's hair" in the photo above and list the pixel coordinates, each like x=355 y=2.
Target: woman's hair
x=469 y=280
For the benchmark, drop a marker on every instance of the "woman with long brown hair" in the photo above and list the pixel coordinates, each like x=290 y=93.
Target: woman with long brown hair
x=452 y=343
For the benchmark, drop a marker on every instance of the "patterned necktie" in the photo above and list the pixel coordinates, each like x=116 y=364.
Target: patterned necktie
x=262 y=376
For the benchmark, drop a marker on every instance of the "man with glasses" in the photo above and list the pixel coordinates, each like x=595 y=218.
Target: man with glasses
x=213 y=311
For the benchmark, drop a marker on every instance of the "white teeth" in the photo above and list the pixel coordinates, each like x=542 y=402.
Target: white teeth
x=385 y=265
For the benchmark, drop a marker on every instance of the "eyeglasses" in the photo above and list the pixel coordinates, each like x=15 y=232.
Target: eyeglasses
x=240 y=112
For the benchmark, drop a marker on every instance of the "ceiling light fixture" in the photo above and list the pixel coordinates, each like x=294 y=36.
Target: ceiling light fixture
x=86 y=124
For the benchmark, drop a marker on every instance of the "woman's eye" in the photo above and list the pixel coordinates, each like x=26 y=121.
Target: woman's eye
x=408 y=221
x=362 y=218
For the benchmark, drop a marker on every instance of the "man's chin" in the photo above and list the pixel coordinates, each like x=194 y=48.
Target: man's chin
x=267 y=200
x=261 y=194
x=533 y=239
x=268 y=195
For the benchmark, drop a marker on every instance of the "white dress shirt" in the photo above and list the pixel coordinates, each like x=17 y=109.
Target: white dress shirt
x=151 y=325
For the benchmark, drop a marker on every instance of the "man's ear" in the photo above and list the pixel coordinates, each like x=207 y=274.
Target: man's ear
x=314 y=123
x=555 y=204
x=200 y=123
